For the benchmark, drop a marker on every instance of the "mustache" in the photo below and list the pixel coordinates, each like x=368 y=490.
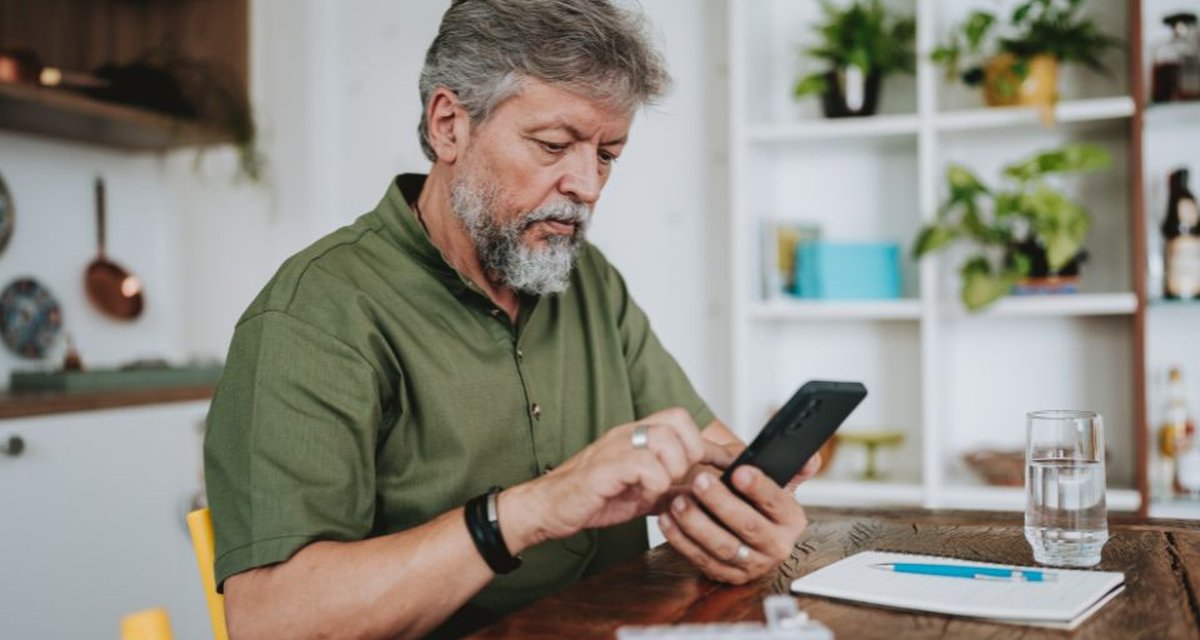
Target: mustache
x=567 y=212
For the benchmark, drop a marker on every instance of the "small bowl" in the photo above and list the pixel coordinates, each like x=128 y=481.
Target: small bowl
x=1000 y=467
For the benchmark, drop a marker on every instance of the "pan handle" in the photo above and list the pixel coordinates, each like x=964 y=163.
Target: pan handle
x=100 y=216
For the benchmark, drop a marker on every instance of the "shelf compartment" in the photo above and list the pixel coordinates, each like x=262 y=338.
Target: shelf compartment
x=1070 y=304
x=65 y=115
x=883 y=126
x=1173 y=114
x=801 y=309
x=1167 y=303
x=1069 y=112
x=860 y=493
x=989 y=498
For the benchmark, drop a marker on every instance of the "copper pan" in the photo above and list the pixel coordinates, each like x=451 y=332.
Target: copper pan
x=111 y=288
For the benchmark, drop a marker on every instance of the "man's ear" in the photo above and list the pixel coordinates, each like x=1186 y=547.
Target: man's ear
x=449 y=125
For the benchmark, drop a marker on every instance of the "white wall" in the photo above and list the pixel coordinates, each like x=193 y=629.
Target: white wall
x=335 y=88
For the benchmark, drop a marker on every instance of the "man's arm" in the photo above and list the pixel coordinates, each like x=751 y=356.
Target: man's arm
x=407 y=583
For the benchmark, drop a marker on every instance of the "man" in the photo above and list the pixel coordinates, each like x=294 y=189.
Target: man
x=463 y=336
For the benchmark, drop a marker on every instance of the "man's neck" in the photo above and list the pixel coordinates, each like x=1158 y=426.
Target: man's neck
x=449 y=235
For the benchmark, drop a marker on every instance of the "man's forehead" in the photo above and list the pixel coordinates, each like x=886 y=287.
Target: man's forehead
x=543 y=107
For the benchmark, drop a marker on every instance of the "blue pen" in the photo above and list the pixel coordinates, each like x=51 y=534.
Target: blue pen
x=967 y=571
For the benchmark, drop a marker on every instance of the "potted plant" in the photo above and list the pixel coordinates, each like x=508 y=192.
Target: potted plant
x=1027 y=234
x=1017 y=62
x=860 y=45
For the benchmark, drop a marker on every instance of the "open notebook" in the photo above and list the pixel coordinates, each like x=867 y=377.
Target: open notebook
x=1062 y=602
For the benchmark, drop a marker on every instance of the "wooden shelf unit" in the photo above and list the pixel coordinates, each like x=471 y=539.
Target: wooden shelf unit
x=27 y=404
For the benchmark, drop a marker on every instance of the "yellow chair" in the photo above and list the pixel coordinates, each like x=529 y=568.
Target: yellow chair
x=149 y=624
x=200 y=524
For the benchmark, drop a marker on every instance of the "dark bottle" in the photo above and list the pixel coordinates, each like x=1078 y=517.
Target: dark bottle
x=1181 y=241
x=1176 y=71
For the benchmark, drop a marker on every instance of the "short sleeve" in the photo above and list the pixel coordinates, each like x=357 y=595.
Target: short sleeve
x=290 y=447
x=657 y=380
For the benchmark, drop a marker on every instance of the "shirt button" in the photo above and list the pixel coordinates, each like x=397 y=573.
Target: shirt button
x=495 y=313
x=537 y=411
x=520 y=354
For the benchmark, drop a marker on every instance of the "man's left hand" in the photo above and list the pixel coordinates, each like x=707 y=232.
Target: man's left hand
x=757 y=535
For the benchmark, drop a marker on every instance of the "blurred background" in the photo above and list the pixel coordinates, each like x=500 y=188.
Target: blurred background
x=765 y=215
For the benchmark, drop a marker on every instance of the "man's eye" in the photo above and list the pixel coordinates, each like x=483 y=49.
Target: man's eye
x=552 y=147
x=607 y=158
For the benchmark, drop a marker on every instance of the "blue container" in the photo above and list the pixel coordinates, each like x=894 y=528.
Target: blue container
x=848 y=270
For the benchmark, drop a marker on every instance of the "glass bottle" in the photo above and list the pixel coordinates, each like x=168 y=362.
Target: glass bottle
x=1178 y=429
x=1181 y=240
x=1176 y=72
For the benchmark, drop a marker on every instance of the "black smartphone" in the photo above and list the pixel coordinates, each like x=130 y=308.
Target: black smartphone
x=799 y=429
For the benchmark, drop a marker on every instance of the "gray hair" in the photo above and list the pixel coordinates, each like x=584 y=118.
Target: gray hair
x=485 y=48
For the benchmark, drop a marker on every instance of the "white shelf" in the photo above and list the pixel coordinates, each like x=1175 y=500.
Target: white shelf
x=799 y=309
x=860 y=493
x=1173 y=114
x=1167 y=303
x=1068 y=112
x=989 y=498
x=835 y=129
x=1068 y=304
x=1178 y=508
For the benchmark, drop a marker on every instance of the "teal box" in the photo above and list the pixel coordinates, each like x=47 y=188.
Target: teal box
x=848 y=270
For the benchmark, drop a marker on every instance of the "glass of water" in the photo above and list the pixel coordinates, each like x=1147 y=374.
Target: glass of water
x=1066 y=520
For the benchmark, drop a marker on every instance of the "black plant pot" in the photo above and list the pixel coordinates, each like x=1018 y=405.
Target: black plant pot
x=1039 y=265
x=851 y=95
x=1040 y=279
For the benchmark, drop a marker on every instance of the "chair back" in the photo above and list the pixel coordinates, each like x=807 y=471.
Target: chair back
x=200 y=524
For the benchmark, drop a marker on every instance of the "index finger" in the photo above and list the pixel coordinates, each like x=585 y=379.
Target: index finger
x=679 y=420
x=715 y=454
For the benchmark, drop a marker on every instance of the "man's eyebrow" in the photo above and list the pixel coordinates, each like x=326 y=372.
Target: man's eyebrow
x=577 y=134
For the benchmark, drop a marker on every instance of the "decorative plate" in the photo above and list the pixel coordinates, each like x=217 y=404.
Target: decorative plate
x=30 y=318
x=6 y=215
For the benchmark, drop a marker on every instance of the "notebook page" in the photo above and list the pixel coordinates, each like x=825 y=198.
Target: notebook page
x=1059 y=601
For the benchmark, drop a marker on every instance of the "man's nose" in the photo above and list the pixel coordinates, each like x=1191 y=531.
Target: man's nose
x=581 y=179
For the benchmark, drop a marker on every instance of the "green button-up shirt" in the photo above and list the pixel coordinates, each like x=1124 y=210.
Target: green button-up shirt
x=370 y=387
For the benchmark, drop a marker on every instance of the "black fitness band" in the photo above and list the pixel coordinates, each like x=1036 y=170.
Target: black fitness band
x=483 y=521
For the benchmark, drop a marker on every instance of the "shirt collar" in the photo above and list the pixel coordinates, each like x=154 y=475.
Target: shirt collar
x=406 y=229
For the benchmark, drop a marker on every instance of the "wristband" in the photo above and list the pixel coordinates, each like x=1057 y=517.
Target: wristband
x=483 y=521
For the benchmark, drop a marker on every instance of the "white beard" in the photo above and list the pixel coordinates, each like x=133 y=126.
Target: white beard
x=504 y=255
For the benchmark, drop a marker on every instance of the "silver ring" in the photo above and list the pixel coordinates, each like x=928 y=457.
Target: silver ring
x=640 y=438
x=743 y=553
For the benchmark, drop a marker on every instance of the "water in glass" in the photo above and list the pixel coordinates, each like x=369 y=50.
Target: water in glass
x=1066 y=519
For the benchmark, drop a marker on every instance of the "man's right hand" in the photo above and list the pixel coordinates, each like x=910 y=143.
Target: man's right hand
x=609 y=482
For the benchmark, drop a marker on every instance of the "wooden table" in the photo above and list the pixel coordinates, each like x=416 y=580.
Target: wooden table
x=1160 y=558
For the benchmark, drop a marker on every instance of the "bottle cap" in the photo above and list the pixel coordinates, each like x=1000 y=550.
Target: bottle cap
x=1183 y=17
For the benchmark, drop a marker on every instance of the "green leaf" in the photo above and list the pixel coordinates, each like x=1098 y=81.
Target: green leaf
x=1075 y=158
x=981 y=287
x=811 y=84
x=932 y=238
x=1021 y=12
x=977 y=27
x=963 y=184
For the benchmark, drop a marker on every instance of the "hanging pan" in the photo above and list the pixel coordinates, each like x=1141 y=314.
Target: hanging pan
x=113 y=290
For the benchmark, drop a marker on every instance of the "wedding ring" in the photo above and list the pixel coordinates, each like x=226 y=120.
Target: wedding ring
x=743 y=552
x=640 y=438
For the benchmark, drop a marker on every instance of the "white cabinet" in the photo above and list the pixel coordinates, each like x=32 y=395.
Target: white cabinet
x=92 y=522
x=951 y=381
